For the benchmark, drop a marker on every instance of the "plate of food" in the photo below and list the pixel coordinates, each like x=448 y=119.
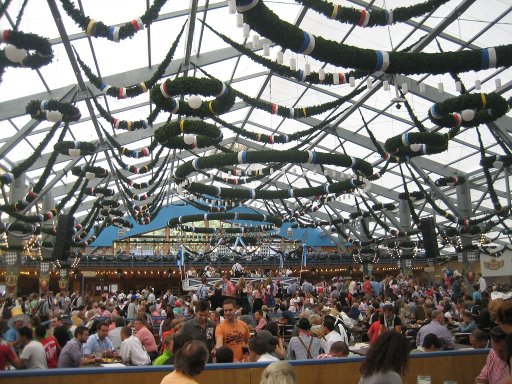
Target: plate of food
x=110 y=360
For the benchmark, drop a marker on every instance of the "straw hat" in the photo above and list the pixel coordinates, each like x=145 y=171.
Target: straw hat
x=18 y=315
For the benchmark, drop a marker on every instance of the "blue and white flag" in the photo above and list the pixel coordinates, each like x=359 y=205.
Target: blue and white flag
x=239 y=242
x=304 y=255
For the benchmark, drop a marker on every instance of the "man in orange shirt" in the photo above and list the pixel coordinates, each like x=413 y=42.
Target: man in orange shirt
x=232 y=332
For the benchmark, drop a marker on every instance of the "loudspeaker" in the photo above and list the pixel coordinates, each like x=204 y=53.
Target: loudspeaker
x=428 y=230
x=64 y=237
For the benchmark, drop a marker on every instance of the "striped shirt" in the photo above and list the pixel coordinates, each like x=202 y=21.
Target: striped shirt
x=495 y=370
x=298 y=351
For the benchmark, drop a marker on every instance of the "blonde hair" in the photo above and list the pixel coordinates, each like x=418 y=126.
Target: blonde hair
x=279 y=372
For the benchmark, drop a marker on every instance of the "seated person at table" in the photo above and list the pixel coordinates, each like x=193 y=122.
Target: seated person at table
x=178 y=341
x=431 y=343
x=305 y=345
x=146 y=337
x=468 y=324
x=71 y=355
x=167 y=353
x=261 y=322
x=224 y=355
x=495 y=370
x=331 y=336
x=258 y=350
x=389 y=321
x=287 y=315
x=132 y=351
x=373 y=332
x=437 y=327
x=32 y=355
x=99 y=342
x=338 y=349
x=478 y=339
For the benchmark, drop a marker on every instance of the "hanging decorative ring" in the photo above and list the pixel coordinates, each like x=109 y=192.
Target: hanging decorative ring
x=469 y=110
x=262 y=20
x=99 y=192
x=99 y=29
x=450 y=181
x=75 y=148
x=21 y=228
x=366 y=18
x=411 y=144
x=289 y=156
x=90 y=172
x=232 y=230
x=53 y=110
x=196 y=134
x=496 y=161
x=162 y=95
x=225 y=216
x=25 y=41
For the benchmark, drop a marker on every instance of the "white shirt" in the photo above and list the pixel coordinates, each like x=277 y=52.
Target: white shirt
x=267 y=357
x=115 y=337
x=330 y=339
x=35 y=355
x=482 y=283
x=352 y=287
x=132 y=352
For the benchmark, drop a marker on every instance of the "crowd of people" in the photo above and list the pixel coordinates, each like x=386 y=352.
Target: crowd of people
x=262 y=321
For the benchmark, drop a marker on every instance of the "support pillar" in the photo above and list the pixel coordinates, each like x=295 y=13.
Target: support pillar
x=404 y=215
x=15 y=240
x=46 y=249
x=466 y=209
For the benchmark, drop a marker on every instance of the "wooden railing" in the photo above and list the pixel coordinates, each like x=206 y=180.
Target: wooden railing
x=460 y=366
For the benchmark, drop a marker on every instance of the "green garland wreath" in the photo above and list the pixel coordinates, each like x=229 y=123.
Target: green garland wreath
x=364 y=18
x=132 y=168
x=475 y=109
x=144 y=196
x=27 y=41
x=100 y=192
x=285 y=71
x=90 y=172
x=129 y=125
x=133 y=90
x=100 y=29
x=290 y=156
x=144 y=184
x=276 y=221
x=144 y=152
x=496 y=161
x=411 y=144
x=345 y=186
x=262 y=20
x=272 y=139
x=75 y=148
x=168 y=134
x=111 y=212
x=53 y=110
x=162 y=95
x=107 y=203
x=228 y=230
